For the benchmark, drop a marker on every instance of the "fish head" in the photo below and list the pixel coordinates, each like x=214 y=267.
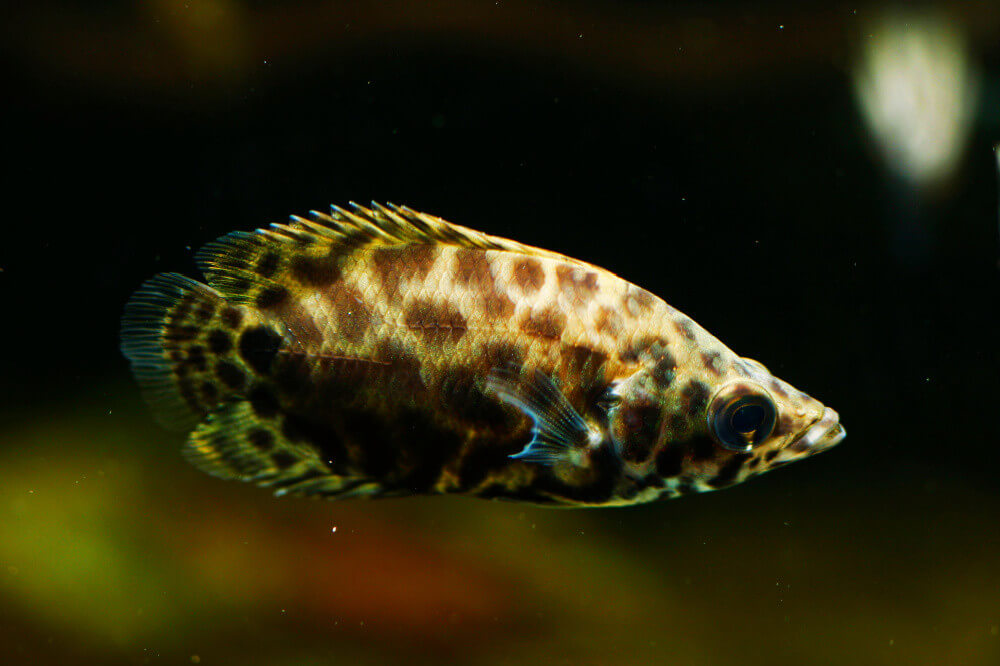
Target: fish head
x=701 y=418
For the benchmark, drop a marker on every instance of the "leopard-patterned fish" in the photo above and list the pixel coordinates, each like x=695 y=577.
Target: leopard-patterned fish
x=375 y=352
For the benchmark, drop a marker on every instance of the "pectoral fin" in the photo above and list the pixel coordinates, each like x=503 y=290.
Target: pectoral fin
x=559 y=433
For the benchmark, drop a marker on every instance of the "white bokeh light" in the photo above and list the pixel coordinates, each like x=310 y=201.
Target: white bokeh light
x=918 y=90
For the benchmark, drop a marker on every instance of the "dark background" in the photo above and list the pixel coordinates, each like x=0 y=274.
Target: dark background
x=713 y=153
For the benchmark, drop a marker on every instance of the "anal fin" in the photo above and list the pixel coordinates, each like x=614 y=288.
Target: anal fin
x=236 y=443
x=559 y=433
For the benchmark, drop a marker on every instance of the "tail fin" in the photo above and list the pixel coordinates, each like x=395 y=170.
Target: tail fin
x=184 y=342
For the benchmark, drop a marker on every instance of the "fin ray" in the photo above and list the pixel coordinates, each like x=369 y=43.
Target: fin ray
x=559 y=433
x=310 y=250
x=236 y=443
x=160 y=338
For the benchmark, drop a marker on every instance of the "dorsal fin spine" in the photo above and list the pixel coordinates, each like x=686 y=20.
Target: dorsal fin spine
x=245 y=264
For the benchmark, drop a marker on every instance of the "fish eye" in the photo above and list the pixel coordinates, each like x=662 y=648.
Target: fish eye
x=609 y=398
x=741 y=422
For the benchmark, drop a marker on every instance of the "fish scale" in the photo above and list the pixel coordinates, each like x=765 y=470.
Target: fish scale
x=383 y=352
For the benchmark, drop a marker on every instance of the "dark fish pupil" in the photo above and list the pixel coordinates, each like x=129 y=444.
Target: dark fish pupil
x=744 y=422
x=747 y=418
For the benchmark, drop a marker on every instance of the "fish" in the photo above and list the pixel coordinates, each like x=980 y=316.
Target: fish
x=383 y=352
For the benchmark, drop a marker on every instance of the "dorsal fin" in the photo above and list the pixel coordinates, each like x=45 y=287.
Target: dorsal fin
x=252 y=265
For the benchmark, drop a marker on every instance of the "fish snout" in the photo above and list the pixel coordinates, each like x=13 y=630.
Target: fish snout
x=821 y=435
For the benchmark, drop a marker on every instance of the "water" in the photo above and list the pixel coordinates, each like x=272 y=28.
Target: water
x=702 y=153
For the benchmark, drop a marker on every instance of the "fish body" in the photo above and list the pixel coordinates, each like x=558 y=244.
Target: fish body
x=375 y=352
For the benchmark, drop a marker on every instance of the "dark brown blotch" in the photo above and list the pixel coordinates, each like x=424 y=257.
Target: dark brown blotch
x=702 y=447
x=435 y=322
x=267 y=265
x=420 y=259
x=712 y=360
x=576 y=283
x=644 y=348
x=375 y=445
x=271 y=297
x=695 y=396
x=677 y=425
x=209 y=392
x=394 y=264
x=480 y=460
x=653 y=352
x=322 y=438
x=637 y=302
x=263 y=402
x=293 y=374
x=300 y=324
x=685 y=327
x=608 y=322
x=283 y=460
x=784 y=426
x=548 y=324
x=230 y=375
x=686 y=487
x=183 y=333
x=502 y=355
x=354 y=316
x=472 y=269
x=203 y=313
x=528 y=275
x=388 y=269
x=261 y=439
x=315 y=271
x=239 y=285
x=219 y=342
x=642 y=298
x=669 y=461
x=196 y=357
x=183 y=308
x=401 y=366
x=585 y=361
x=232 y=317
x=641 y=425
x=430 y=446
x=463 y=396
x=729 y=471
x=258 y=347
x=497 y=305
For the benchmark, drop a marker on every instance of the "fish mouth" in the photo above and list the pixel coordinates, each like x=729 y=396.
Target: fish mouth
x=821 y=435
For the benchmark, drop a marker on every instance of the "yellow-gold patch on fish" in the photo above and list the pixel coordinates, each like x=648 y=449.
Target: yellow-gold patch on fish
x=375 y=352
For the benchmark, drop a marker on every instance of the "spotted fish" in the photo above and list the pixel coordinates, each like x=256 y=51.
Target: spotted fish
x=376 y=352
